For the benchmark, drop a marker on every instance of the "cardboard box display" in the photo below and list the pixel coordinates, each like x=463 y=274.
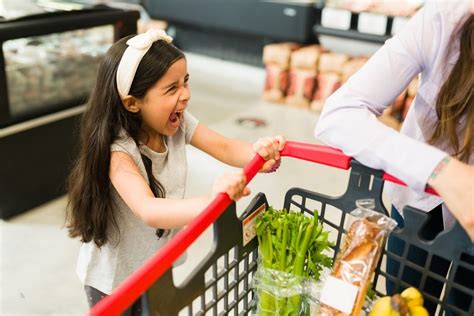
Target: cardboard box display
x=302 y=86
x=276 y=83
x=279 y=54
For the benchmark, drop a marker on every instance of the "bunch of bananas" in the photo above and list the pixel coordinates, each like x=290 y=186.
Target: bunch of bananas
x=408 y=303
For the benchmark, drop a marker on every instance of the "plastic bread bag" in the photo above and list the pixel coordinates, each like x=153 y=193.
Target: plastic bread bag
x=279 y=293
x=315 y=289
x=345 y=288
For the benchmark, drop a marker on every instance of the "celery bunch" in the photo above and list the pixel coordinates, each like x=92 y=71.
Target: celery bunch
x=294 y=243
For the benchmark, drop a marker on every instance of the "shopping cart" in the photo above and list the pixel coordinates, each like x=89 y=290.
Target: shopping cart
x=221 y=284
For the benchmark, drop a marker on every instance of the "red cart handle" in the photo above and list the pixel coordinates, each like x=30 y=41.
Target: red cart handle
x=330 y=157
x=128 y=291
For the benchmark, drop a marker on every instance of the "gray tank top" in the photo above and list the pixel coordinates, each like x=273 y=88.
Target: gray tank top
x=107 y=267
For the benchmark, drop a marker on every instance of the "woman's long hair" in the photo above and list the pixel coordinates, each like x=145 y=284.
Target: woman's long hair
x=91 y=213
x=456 y=99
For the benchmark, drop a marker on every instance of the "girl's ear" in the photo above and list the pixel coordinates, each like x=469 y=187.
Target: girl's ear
x=131 y=104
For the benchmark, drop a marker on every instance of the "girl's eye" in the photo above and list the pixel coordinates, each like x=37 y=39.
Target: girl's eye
x=172 y=89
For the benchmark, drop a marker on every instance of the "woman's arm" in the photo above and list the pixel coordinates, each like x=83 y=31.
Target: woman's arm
x=349 y=122
x=235 y=152
x=162 y=212
x=454 y=181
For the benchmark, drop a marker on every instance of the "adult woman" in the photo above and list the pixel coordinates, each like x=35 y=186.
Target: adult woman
x=436 y=143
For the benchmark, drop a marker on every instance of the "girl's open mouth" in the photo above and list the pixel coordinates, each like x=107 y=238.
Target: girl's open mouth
x=176 y=117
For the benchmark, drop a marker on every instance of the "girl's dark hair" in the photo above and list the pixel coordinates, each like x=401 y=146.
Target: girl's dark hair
x=456 y=99
x=91 y=210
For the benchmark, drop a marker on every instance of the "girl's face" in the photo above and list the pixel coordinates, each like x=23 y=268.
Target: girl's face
x=162 y=108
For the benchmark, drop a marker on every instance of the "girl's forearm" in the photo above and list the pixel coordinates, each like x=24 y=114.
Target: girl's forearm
x=237 y=153
x=172 y=213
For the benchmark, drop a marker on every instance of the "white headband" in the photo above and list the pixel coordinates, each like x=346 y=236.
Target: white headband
x=137 y=48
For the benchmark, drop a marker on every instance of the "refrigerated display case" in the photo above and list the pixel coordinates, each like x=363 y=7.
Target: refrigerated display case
x=234 y=29
x=48 y=64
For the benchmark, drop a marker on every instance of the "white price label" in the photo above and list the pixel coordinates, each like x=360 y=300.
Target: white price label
x=248 y=224
x=372 y=23
x=339 y=294
x=336 y=19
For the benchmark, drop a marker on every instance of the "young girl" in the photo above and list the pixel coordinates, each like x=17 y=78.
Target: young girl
x=126 y=190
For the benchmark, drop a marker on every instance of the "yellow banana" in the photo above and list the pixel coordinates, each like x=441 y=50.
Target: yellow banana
x=418 y=311
x=382 y=307
x=408 y=303
x=412 y=297
x=399 y=305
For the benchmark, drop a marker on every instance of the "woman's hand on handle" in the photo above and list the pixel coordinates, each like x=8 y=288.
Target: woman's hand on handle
x=232 y=183
x=269 y=149
x=454 y=182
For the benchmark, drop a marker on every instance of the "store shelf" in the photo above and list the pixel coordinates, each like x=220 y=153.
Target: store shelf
x=351 y=34
x=353 y=25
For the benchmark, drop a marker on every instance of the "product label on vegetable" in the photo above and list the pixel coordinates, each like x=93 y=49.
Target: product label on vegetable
x=248 y=224
x=339 y=294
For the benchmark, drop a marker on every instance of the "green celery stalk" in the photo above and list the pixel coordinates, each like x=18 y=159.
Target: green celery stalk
x=294 y=243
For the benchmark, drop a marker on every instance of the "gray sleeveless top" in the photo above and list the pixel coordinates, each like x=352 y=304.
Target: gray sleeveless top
x=107 y=267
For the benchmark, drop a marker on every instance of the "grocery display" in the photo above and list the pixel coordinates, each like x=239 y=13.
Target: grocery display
x=302 y=75
x=48 y=65
x=305 y=76
x=392 y=8
x=55 y=68
x=313 y=73
x=277 y=60
x=310 y=86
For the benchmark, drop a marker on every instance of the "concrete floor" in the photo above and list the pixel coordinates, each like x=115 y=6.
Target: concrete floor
x=38 y=259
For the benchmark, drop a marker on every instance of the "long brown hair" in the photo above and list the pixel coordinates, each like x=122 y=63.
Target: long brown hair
x=90 y=211
x=456 y=99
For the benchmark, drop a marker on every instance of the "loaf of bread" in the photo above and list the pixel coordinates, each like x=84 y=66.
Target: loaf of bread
x=356 y=260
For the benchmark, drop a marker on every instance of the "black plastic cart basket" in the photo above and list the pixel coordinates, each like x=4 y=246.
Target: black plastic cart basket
x=221 y=284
